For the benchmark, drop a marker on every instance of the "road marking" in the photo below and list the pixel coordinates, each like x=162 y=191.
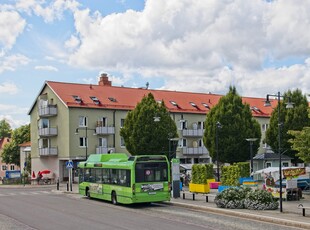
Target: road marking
x=26 y=193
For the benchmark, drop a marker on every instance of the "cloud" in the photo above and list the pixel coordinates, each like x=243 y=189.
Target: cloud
x=14 y=123
x=196 y=46
x=8 y=88
x=46 y=67
x=9 y=63
x=14 y=115
x=12 y=25
x=72 y=43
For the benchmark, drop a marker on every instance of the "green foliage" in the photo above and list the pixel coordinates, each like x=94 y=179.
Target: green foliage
x=202 y=172
x=11 y=152
x=238 y=197
x=237 y=125
x=209 y=171
x=230 y=175
x=293 y=119
x=301 y=143
x=28 y=163
x=143 y=135
x=5 y=129
x=244 y=168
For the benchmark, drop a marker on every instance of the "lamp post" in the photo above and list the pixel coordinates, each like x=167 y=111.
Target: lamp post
x=251 y=140
x=86 y=137
x=289 y=105
x=218 y=126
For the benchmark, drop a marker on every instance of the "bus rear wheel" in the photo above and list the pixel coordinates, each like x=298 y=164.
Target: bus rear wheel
x=113 y=198
x=88 y=193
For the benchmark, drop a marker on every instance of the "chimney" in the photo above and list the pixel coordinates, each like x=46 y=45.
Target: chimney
x=104 y=80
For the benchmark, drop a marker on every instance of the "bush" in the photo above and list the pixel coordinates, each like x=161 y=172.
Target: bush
x=260 y=200
x=237 y=197
x=230 y=175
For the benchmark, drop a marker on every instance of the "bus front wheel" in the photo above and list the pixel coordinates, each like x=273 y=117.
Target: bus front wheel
x=113 y=198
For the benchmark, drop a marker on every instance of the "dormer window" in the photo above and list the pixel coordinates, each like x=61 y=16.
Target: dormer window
x=77 y=99
x=255 y=109
x=206 y=105
x=95 y=100
x=112 y=99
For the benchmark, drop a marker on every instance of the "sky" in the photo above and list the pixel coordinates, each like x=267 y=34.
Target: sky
x=260 y=46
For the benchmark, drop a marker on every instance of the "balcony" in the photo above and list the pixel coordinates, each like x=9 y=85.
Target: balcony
x=192 y=132
x=103 y=150
x=194 y=151
x=49 y=151
x=105 y=130
x=48 y=111
x=47 y=132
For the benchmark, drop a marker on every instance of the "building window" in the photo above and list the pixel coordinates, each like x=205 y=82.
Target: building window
x=12 y=167
x=182 y=143
x=122 y=122
x=265 y=127
x=102 y=142
x=43 y=123
x=268 y=164
x=183 y=124
x=43 y=143
x=122 y=143
x=83 y=142
x=82 y=121
x=285 y=164
x=4 y=167
x=200 y=143
x=201 y=125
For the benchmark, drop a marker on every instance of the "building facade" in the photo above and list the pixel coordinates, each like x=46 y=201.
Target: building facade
x=5 y=167
x=70 y=121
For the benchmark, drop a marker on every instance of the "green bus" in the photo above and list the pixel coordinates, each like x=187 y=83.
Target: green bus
x=126 y=180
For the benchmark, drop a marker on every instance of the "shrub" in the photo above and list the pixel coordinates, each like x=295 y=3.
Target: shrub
x=230 y=175
x=260 y=200
x=237 y=197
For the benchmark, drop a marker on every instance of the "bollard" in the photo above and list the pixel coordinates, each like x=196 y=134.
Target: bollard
x=207 y=198
x=183 y=195
x=58 y=184
x=67 y=186
x=193 y=196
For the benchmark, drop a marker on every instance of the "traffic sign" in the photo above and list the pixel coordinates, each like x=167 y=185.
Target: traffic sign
x=69 y=164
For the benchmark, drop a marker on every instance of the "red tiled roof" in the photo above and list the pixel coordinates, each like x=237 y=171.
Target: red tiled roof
x=25 y=144
x=127 y=98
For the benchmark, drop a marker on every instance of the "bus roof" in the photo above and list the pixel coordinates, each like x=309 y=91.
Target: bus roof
x=116 y=157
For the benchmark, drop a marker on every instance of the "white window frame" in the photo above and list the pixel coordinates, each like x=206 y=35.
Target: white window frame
x=285 y=162
x=122 y=144
x=12 y=167
x=103 y=142
x=265 y=127
x=201 y=125
x=84 y=142
x=183 y=143
x=122 y=122
x=4 y=167
x=268 y=162
x=42 y=122
x=42 y=144
x=183 y=124
x=83 y=121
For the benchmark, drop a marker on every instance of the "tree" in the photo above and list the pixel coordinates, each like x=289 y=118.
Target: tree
x=143 y=135
x=5 y=128
x=237 y=125
x=301 y=142
x=291 y=119
x=11 y=153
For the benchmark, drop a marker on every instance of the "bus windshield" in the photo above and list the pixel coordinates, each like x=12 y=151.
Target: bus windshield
x=151 y=172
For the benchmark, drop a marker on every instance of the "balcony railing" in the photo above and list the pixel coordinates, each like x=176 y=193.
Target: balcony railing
x=192 y=132
x=194 y=151
x=51 y=151
x=48 y=111
x=102 y=150
x=47 y=132
x=104 y=130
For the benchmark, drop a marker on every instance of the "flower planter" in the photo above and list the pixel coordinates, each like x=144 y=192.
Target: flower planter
x=214 y=185
x=223 y=187
x=199 y=188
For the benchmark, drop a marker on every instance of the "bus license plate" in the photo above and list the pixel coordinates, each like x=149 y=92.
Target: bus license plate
x=152 y=193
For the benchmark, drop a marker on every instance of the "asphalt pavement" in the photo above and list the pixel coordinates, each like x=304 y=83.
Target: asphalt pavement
x=291 y=215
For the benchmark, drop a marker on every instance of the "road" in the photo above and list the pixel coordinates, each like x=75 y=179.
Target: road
x=41 y=208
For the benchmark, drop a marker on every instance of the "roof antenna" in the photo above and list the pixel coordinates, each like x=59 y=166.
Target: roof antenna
x=147 y=85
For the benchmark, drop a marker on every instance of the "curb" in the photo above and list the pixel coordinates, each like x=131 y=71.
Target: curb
x=250 y=216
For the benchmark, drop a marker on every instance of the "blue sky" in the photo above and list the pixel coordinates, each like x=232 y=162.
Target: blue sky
x=191 y=45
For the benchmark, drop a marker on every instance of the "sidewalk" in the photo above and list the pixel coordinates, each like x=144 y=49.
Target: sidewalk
x=291 y=215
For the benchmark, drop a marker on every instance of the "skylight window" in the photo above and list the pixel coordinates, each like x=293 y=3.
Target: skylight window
x=95 y=100
x=112 y=99
x=193 y=104
x=206 y=105
x=77 y=99
x=174 y=103
x=255 y=109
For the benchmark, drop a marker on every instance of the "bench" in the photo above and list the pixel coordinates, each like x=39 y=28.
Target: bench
x=207 y=196
x=300 y=206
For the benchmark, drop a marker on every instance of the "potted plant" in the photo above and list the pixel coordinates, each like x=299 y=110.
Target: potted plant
x=199 y=183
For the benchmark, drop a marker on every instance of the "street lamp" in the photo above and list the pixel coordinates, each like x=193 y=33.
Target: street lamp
x=218 y=126
x=86 y=137
x=251 y=140
x=289 y=105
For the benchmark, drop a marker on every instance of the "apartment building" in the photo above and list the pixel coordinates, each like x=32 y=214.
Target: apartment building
x=70 y=121
x=5 y=167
